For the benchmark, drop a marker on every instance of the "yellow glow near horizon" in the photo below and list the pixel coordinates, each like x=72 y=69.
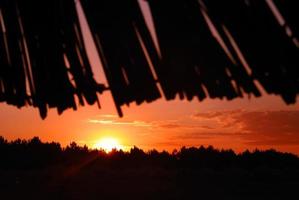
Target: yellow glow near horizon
x=108 y=144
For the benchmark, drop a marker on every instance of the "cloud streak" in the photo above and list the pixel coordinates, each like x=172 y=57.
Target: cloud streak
x=115 y=122
x=249 y=127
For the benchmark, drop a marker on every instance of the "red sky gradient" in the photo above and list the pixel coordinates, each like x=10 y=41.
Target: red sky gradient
x=240 y=124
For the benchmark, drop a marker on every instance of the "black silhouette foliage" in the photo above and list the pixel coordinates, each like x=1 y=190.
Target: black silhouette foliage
x=206 y=48
x=31 y=169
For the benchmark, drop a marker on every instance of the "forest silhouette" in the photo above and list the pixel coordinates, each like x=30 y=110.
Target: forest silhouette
x=32 y=169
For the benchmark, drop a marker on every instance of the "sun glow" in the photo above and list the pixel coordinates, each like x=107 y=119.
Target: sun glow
x=108 y=144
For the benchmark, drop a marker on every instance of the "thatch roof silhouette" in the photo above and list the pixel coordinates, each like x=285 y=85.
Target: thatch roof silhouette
x=207 y=48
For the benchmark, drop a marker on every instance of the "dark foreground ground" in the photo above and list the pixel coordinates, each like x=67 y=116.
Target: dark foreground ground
x=41 y=171
x=95 y=182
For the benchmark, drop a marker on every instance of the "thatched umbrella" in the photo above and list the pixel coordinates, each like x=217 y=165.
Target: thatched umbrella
x=207 y=48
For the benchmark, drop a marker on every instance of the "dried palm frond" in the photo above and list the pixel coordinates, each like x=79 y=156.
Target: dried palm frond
x=207 y=48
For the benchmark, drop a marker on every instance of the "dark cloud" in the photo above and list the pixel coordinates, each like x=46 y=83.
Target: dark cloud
x=182 y=125
x=258 y=127
x=206 y=127
x=170 y=125
x=276 y=122
x=208 y=135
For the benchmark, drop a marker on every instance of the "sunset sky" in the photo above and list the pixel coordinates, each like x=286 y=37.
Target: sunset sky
x=256 y=123
x=240 y=124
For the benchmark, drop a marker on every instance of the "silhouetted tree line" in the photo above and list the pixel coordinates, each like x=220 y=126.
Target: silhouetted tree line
x=33 y=154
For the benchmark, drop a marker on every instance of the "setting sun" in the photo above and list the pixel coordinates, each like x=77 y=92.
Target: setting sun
x=107 y=144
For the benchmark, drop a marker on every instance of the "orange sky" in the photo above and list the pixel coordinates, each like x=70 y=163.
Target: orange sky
x=240 y=124
x=257 y=123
